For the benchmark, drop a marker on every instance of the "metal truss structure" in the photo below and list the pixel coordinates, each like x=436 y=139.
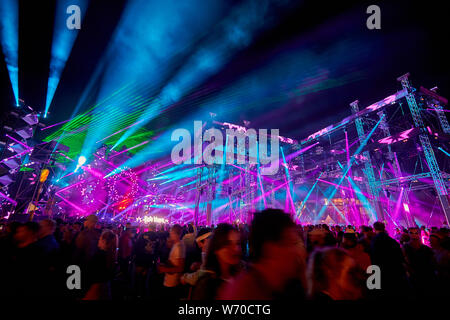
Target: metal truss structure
x=361 y=169
x=377 y=135
x=395 y=172
x=426 y=145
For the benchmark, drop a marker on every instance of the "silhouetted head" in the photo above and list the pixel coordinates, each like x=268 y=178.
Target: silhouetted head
x=91 y=221
x=26 y=233
x=175 y=233
x=334 y=272
x=47 y=227
x=275 y=243
x=379 y=227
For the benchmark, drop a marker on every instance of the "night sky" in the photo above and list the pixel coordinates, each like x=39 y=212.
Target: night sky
x=328 y=39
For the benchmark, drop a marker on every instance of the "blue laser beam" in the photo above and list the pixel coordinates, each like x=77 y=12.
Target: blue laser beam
x=348 y=167
x=63 y=40
x=9 y=34
x=234 y=33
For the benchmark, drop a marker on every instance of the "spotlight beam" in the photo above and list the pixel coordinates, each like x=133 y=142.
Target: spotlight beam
x=54 y=125
x=399 y=203
x=63 y=40
x=308 y=195
x=134 y=147
x=237 y=32
x=337 y=186
x=72 y=204
x=348 y=167
x=288 y=178
x=269 y=192
x=445 y=152
x=361 y=196
x=8 y=198
x=336 y=208
x=9 y=36
x=352 y=194
x=17 y=141
x=121 y=130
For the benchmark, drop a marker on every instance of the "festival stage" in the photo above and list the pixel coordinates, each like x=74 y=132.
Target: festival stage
x=386 y=161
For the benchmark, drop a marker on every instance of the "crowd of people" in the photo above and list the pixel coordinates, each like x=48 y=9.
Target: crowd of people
x=272 y=258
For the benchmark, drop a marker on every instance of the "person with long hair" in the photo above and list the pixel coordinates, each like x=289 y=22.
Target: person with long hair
x=222 y=262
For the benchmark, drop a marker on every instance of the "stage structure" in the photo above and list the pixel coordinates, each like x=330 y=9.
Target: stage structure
x=239 y=188
x=24 y=185
x=388 y=161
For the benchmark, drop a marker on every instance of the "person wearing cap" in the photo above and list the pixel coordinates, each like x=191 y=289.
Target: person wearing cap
x=202 y=241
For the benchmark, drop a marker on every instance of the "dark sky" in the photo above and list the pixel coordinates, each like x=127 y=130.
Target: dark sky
x=412 y=39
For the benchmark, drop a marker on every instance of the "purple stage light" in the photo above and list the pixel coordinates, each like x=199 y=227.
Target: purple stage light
x=8 y=198
x=298 y=152
x=71 y=186
x=16 y=155
x=56 y=124
x=81 y=210
x=17 y=141
x=399 y=137
x=344 y=188
x=121 y=130
x=443 y=110
x=126 y=150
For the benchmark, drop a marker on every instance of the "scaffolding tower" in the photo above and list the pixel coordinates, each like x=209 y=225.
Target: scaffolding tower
x=426 y=146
